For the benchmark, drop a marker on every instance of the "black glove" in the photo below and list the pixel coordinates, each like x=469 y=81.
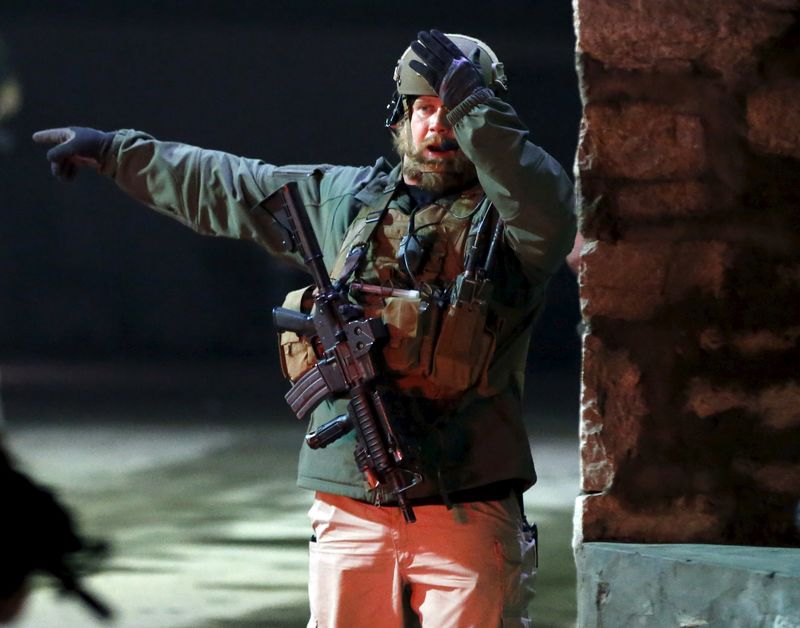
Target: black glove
x=444 y=66
x=75 y=146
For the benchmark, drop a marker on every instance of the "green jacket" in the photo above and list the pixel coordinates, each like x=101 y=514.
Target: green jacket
x=483 y=440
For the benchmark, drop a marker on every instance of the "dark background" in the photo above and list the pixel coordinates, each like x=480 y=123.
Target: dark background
x=88 y=274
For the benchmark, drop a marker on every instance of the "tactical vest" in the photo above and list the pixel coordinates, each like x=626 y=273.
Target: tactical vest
x=439 y=346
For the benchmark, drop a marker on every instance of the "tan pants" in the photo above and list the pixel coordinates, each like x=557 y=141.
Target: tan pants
x=461 y=567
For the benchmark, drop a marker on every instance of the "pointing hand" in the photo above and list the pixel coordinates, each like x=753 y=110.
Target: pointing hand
x=74 y=146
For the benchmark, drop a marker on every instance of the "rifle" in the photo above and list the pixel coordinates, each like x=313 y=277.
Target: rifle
x=348 y=366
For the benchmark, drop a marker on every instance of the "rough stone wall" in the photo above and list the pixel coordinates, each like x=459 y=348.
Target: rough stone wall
x=689 y=191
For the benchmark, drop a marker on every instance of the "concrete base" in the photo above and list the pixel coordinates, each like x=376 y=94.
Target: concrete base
x=622 y=585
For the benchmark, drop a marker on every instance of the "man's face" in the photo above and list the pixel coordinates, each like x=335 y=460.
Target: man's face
x=430 y=130
x=427 y=143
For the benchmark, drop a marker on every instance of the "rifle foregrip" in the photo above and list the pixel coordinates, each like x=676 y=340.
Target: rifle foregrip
x=329 y=432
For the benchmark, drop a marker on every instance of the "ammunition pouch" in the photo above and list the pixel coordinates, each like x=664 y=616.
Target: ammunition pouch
x=465 y=344
x=297 y=352
x=440 y=352
x=412 y=329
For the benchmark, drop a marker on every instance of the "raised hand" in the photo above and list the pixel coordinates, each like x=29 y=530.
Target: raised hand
x=447 y=70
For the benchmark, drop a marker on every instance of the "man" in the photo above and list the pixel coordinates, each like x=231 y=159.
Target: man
x=473 y=203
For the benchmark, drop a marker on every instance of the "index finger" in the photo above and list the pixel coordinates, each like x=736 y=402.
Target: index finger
x=54 y=136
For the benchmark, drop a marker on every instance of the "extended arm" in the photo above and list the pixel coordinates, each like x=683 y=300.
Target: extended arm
x=212 y=192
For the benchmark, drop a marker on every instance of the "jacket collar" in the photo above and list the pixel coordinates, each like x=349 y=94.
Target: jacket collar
x=383 y=184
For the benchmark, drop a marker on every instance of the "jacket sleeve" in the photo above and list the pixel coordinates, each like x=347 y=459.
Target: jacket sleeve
x=530 y=189
x=216 y=193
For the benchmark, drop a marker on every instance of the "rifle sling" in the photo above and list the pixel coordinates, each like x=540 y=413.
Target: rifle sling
x=372 y=215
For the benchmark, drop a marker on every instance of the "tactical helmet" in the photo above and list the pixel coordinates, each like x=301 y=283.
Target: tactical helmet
x=409 y=83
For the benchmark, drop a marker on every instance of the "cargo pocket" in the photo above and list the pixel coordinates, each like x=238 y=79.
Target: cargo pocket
x=296 y=352
x=410 y=323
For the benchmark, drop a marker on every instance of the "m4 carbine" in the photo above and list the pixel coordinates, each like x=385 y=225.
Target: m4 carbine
x=350 y=343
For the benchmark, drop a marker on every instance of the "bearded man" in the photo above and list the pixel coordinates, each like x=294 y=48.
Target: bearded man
x=472 y=203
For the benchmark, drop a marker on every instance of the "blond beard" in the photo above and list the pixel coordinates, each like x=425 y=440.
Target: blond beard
x=436 y=175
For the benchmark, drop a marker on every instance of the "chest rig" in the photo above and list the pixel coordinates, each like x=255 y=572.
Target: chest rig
x=440 y=344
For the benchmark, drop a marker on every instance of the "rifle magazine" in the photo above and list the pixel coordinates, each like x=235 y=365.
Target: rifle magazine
x=307 y=393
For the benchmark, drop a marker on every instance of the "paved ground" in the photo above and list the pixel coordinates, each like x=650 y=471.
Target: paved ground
x=194 y=487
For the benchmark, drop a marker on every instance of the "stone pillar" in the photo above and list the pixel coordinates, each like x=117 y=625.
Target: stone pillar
x=689 y=188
